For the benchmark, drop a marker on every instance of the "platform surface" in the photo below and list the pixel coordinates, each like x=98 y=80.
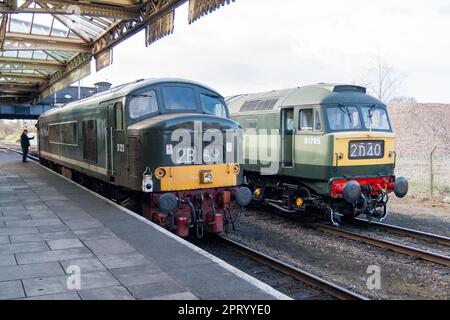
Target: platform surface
x=50 y=226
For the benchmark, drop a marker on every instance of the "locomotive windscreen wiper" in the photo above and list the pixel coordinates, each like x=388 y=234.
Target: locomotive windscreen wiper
x=372 y=108
x=345 y=110
x=142 y=95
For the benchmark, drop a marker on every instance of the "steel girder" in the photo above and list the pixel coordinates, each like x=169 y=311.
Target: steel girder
x=126 y=12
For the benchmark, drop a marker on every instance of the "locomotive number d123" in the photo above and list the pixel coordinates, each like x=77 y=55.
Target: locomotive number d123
x=366 y=149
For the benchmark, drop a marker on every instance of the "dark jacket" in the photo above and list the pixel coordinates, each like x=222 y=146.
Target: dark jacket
x=25 y=141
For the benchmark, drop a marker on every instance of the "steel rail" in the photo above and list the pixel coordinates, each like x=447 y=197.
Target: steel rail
x=385 y=244
x=301 y=275
x=408 y=232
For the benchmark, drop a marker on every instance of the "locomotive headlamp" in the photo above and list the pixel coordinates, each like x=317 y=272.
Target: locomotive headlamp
x=206 y=176
x=160 y=173
x=299 y=202
x=236 y=168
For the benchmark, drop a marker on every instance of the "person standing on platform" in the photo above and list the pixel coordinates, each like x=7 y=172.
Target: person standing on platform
x=25 y=144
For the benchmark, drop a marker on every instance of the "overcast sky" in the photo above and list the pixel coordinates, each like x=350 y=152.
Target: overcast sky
x=257 y=45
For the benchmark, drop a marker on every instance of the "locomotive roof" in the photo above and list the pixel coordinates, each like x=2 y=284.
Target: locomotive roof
x=121 y=91
x=321 y=93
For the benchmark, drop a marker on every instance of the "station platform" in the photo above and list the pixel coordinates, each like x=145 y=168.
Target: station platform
x=52 y=230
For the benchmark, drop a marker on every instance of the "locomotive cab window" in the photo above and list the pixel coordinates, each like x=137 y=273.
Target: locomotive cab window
x=118 y=109
x=142 y=104
x=343 y=118
x=310 y=120
x=306 y=119
x=317 y=122
x=177 y=98
x=213 y=105
x=375 y=118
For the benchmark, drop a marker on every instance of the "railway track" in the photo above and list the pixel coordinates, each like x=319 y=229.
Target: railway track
x=386 y=244
x=390 y=245
x=319 y=283
x=445 y=241
x=310 y=279
x=33 y=155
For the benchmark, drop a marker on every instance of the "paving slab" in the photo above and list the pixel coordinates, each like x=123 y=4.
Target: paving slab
x=17 y=230
x=33 y=222
x=11 y=290
x=54 y=228
x=176 y=296
x=53 y=255
x=42 y=214
x=7 y=260
x=139 y=275
x=109 y=246
x=83 y=223
x=4 y=239
x=58 y=284
x=42 y=236
x=35 y=207
x=21 y=214
x=14 y=218
x=156 y=289
x=110 y=293
x=94 y=234
x=37 y=246
x=70 y=295
x=65 y=244
x=124 y=260
x=85 y=265
x=17 y=272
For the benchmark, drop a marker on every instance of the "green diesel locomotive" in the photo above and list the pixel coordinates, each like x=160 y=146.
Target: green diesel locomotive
x=158 y=142
x=325 y=146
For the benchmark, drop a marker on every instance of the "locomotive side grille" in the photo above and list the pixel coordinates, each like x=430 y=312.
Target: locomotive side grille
x=133 y=155
x=258 y=105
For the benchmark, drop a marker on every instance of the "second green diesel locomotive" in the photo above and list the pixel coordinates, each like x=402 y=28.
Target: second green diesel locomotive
x=326 y=146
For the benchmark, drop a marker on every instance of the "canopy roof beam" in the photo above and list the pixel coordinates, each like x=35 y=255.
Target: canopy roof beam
x=22 y=41
x=62 y=7
x=17 y=87
x=14 y=64
x=21 y=77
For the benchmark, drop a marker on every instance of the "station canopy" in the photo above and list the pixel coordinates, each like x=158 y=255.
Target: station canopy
x=45 y=45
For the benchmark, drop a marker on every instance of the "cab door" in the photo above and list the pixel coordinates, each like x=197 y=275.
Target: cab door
x=287 y=137
x=116 y=142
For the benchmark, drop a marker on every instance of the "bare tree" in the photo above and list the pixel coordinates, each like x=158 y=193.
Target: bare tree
x=382 y=80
